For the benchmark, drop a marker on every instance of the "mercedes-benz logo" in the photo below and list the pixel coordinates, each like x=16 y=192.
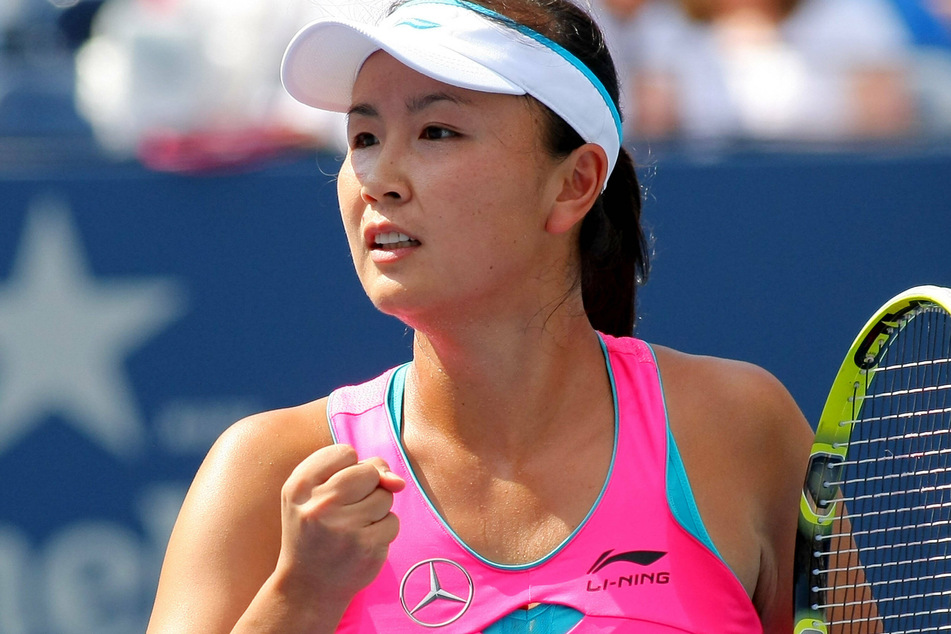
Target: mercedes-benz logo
x=439 y=591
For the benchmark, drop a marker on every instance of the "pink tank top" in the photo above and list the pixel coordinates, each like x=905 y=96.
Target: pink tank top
x=630 y=567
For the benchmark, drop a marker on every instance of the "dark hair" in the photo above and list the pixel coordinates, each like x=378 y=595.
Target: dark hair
x=613 y=245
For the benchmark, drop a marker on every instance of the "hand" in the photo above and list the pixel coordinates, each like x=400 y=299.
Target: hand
x=336 y=524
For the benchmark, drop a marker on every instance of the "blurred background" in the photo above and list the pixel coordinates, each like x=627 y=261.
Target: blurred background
x=171 y=257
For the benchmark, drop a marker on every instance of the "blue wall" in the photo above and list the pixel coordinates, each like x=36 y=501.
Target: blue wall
x=179 y=304
x=779 y=259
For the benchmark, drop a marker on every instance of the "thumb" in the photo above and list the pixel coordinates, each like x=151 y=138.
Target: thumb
x=389 y=480
x=392 y=482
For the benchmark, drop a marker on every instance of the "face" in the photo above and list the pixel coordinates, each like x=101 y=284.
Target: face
x=444 y=196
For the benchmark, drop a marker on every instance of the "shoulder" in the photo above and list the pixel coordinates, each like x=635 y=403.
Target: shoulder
x=253 y=458
x=228 y=533
x=267 y=446
x=700 y=381
x=738 y=407
x=745 y=445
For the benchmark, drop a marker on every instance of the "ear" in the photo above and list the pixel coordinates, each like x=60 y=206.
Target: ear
x=581 y=179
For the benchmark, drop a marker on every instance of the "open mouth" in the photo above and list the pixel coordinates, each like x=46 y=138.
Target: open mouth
x=393 y=240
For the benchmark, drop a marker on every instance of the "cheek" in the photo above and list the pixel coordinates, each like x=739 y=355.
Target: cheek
x=350 y=202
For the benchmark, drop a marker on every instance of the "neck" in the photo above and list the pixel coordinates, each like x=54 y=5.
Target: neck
x=498 y=389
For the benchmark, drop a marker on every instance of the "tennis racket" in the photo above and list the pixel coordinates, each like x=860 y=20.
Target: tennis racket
x=874 y=547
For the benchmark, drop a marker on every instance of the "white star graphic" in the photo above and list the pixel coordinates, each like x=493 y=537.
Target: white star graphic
x=64 y=336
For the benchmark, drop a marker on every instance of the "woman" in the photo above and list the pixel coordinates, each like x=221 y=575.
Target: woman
x=520 y=473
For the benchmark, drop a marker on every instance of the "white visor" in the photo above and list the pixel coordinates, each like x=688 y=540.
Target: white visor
x=460 y=44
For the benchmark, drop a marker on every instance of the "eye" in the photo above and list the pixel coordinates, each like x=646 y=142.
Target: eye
x=435 y=133
x=363 y=140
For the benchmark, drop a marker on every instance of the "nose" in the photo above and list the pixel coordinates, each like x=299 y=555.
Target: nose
x=385 y=179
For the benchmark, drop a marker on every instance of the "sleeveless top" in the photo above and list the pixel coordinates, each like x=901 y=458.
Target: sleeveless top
x=631 y=566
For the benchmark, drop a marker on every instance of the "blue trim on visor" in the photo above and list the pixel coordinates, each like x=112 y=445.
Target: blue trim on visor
x=567 y=55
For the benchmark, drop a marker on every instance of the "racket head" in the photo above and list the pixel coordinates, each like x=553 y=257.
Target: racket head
x=873 y=551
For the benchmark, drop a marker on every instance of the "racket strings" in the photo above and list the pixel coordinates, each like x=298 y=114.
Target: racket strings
x=875 y=532
x=916 y=491
x=883 y=567
x=903 y=416
x=893 y=456
x=906 y=392
x=893 y=546
x=864 y=585
x=886 y=600
x=928 y=433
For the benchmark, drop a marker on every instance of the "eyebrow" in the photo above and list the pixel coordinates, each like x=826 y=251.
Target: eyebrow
x=416 y=104
x=413 y=104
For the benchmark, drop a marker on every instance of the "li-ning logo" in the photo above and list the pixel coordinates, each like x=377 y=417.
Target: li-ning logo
x=639 y=557
x=439 y=591
x=419 y=23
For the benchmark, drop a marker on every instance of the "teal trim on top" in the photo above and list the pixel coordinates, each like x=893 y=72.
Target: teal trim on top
x=680 y=496
x=541 y=39
x=547 y=618
x=394 y=408
x=394 y=399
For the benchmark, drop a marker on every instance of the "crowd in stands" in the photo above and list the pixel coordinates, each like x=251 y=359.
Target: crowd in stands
x=189 y=84
x=801 y=70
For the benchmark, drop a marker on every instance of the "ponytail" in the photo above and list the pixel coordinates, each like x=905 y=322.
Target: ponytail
x=614 y=252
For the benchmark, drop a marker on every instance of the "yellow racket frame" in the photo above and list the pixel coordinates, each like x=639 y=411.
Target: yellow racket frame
x=841 y=410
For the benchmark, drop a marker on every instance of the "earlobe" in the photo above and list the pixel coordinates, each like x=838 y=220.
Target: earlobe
x=582 y=177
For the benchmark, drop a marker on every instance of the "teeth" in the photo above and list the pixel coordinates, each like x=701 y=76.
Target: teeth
x=391 y=238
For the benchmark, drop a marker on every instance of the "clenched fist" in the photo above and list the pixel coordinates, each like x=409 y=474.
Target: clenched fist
x=336 y=524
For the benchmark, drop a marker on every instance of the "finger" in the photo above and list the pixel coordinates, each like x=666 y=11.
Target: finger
x=367 y=511
x=385 y=530
x=376 y=538
x=351 y=484
x=318 y=468
x=392 y=482
x=388 y=479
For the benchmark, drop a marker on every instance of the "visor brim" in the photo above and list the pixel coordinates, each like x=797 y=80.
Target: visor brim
x=323 y=60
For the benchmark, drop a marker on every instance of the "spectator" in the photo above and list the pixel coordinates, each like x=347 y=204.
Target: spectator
x=929 y=22
x=635 y=31
x=778 y=69
x=188 y=85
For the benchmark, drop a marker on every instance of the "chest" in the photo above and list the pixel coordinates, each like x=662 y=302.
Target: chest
x=516 y=513
x=623 y=562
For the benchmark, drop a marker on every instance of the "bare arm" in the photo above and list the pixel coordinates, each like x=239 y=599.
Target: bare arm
x=781 y=463
x=271 y=506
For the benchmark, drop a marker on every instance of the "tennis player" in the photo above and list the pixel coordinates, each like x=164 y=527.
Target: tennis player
x=534 y=468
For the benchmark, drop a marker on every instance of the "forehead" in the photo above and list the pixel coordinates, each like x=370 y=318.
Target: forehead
x=383 y=78
x=383 y=74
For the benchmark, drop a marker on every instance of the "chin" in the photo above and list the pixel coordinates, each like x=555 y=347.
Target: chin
x=411 y=311
x=390 y=298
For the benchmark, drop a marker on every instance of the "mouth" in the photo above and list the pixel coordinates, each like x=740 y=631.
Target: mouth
x=393 y=240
